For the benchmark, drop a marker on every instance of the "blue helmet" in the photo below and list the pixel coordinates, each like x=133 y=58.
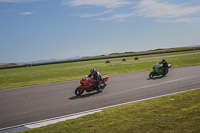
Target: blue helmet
x=163 y=60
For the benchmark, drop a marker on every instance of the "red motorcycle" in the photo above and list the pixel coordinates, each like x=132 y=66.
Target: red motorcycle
x=88 y=84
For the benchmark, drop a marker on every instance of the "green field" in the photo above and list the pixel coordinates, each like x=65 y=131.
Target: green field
x=18 y=77
x=177 y=113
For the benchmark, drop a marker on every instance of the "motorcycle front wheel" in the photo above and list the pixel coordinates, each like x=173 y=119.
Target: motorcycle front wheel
x=79 y=91
x=151 y=75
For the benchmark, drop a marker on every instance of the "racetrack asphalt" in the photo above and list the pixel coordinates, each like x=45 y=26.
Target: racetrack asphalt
x=33 y=103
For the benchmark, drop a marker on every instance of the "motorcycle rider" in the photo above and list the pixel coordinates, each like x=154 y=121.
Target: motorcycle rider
x=97 y=76
x=164 y=66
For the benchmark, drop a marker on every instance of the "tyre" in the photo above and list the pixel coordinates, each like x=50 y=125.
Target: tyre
x=167 y=71
x=79 y=91
x=151 y=75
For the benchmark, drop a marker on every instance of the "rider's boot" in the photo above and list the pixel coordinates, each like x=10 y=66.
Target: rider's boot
x=99 y=88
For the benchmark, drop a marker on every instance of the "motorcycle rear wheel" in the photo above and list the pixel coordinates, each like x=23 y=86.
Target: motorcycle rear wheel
x=151 y=75
x=79 y=91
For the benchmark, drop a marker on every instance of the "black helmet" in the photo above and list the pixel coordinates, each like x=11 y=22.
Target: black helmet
x=93 y=70
x=163 y=60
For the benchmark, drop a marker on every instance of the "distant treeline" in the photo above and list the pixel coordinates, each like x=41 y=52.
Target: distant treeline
x=97 y=58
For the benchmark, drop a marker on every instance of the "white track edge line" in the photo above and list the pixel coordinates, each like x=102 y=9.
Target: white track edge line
x=89 y=111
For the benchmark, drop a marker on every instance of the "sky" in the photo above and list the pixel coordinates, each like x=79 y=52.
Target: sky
x=32 y=30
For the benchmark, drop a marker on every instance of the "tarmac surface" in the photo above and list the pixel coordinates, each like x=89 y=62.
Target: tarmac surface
x=34 y=103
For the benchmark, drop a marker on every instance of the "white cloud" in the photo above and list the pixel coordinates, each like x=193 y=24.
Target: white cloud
x=161 y=10
x=95 y=15
x=180 y=20
x=102 y=3
x=26 y=13
x=118 y=17
x=17 y=1
x=156 y=8
x=9 y=10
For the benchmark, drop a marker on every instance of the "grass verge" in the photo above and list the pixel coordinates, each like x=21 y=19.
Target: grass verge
x=18 y=77
x=174 y=113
